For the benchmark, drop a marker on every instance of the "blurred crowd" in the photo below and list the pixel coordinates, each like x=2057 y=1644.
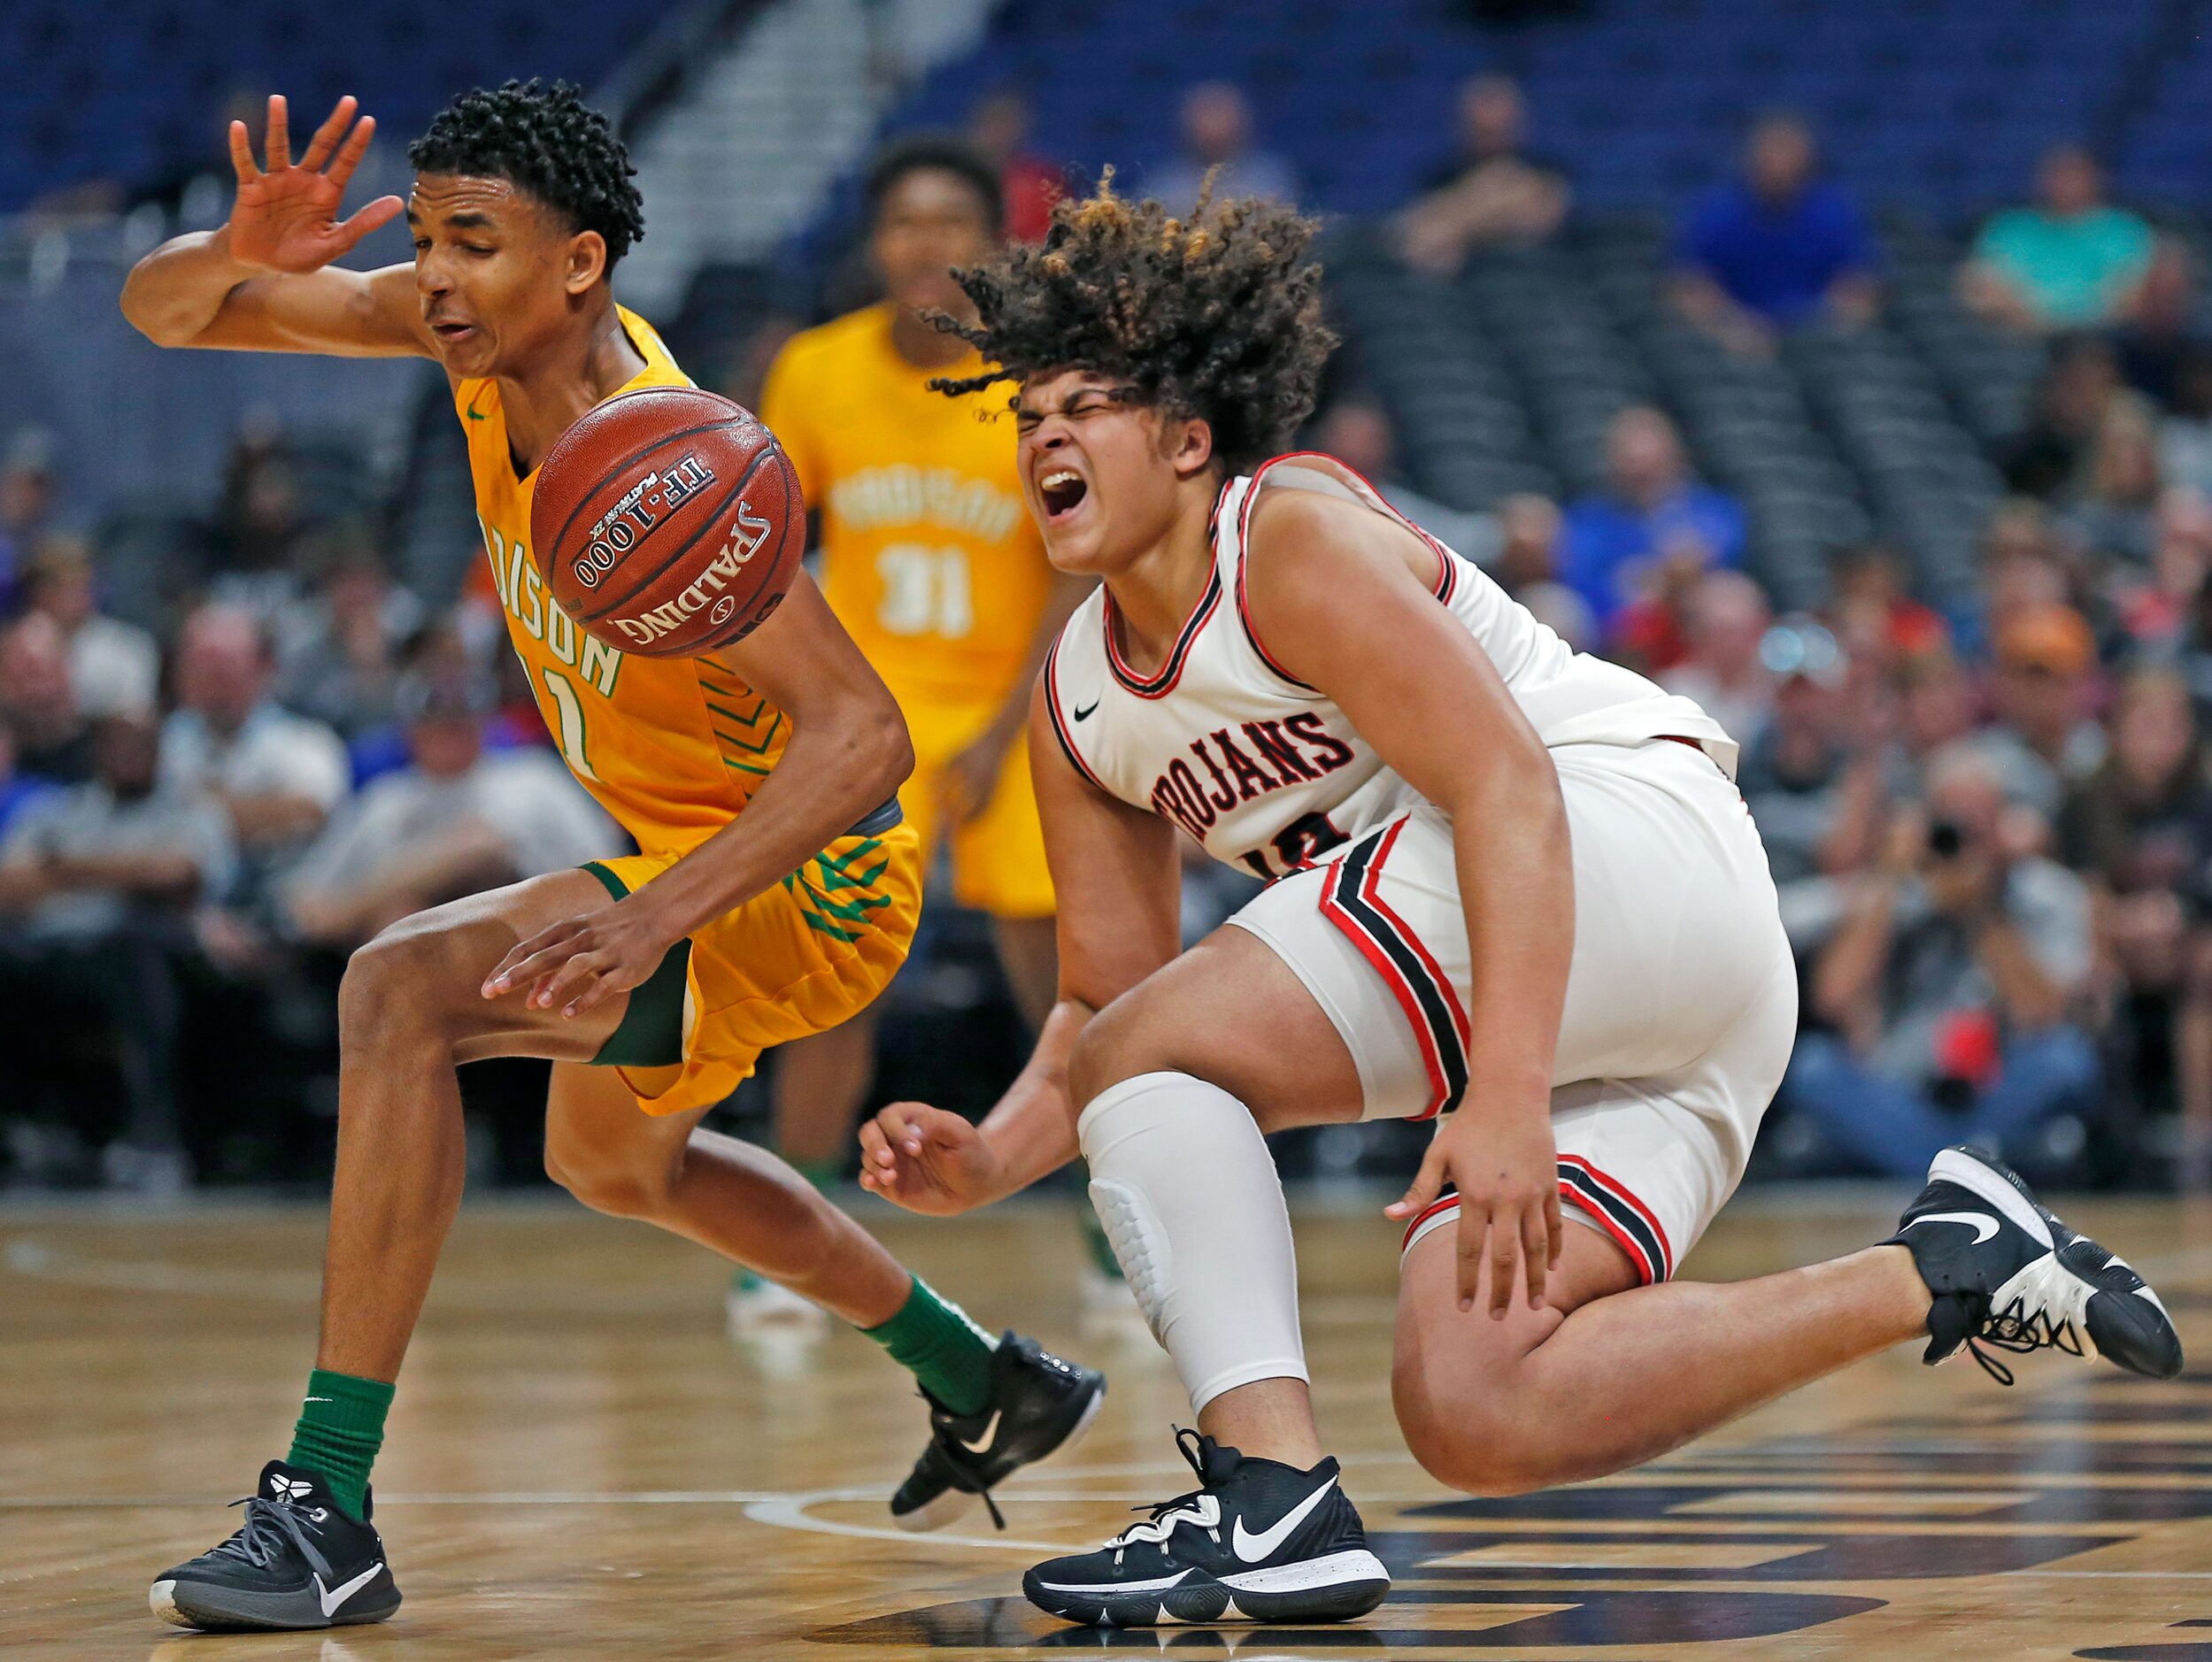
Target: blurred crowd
x=196 y=829
x=1991 y=826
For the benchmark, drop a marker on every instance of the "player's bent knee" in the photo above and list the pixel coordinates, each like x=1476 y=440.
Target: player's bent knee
x=619 y=1190
x=394 y=980
x=1464 y=1421
x=1463 y=1442
x=1113 y=1046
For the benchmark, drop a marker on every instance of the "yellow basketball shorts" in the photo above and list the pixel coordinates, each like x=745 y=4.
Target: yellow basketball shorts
x=997 y=857
x=794 y=960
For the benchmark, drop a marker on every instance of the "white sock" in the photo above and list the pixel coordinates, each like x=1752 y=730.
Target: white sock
x=1192 y=1202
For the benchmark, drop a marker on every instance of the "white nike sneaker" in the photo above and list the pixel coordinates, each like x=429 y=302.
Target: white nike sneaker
x=1258 y=1540
x=2007 y=1272
x=757 y=1308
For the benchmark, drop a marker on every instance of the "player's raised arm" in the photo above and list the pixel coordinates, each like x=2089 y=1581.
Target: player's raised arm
x=1120 y=887
x=264 y=281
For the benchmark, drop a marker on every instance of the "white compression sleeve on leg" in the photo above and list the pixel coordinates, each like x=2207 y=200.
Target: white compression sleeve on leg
x=1190 y=1201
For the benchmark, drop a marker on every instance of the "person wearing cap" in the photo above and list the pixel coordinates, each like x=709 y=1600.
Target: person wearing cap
x=2043 y=740
x=455 y=821
x=1796 y=771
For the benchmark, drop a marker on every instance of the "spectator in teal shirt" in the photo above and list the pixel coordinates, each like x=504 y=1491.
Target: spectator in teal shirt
x=2073 y=262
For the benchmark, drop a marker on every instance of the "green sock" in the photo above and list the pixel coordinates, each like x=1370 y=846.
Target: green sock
x=341 y=1427
x=941 y=1345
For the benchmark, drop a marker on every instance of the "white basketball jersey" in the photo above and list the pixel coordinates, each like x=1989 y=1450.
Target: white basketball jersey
x=1264 y=770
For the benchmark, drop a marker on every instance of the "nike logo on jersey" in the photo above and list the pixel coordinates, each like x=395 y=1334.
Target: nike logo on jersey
x=334 y=1596
x=1084 y=711
x=1985 y=1226
x=1252 y=1549
x=990 y=1429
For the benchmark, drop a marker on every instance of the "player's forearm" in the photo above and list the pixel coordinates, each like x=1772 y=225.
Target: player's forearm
x=834 y=772
x=1032 y=1129
x=176 y=291
x=1517 y=884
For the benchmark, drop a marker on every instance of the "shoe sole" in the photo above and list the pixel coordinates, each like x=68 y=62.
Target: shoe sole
x=955 y=1503
x=1995 y=1183
x=203 y=1614
x=1341 y=1586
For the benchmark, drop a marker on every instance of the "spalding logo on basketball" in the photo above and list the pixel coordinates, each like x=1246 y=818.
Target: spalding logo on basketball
x=668 y=522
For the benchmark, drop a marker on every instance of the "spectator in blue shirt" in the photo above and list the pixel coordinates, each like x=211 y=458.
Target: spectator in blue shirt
x=1655 y=529
x=1776 y=249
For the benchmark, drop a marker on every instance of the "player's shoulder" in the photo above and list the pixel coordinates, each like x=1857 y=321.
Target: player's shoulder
x=1291 y=518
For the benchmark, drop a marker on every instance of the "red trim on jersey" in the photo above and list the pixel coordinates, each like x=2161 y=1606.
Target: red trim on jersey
x=1161 y=685
x=1396 y=952
x=1570 y=1195
x=1441 y=1205
x=1622 y=1192
x=1059 y=724
x=1579 y=1186
x=1447 y=578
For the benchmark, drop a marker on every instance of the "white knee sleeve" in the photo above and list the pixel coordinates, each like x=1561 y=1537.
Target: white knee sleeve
x=1191 y=1202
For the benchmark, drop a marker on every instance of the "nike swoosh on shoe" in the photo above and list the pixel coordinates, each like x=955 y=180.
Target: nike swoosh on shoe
x=1985 y=1226
x=1252 y=1549
x=334 y=1596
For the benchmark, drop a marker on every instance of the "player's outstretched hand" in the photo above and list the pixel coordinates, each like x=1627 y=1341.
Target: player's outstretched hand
x=1505 y=1167
x=927 y=1159
x=286 y=218
x=580 y=963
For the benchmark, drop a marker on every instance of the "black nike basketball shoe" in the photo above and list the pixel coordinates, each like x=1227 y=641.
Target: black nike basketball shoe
x=297 y=1562
x=1258 y=1540
x=1039 y=1404
x=2005 y=1273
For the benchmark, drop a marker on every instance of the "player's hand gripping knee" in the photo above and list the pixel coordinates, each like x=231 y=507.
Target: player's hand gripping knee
x=1507 y=1171
x=286 y=218
x=580 y=963
x=927 y=1159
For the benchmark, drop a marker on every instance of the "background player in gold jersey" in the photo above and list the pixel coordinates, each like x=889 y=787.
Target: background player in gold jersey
x=773 y=896
x=932 y=565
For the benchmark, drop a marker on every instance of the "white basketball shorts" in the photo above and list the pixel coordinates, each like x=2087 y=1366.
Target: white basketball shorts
x=1681 y=1002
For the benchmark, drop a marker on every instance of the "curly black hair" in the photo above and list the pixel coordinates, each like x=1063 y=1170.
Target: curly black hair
x=1215 y=315
x=546 y=140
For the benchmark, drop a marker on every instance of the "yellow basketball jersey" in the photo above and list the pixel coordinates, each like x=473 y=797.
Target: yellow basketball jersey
x=673 y=747
x=928 y=557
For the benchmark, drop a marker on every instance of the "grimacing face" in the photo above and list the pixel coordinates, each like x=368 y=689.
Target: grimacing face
x=498 y=271
x=1100 y=474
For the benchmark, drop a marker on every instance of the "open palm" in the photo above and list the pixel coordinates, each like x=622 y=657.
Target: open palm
x=286 y=218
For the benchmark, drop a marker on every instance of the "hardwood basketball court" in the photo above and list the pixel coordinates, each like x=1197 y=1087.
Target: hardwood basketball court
x=579 y=1464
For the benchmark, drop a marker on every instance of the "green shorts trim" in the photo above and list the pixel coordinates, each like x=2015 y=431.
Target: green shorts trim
x=651 y=1030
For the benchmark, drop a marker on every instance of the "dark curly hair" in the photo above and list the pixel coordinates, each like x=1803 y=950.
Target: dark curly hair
x=1216 y=315
x=546 y=140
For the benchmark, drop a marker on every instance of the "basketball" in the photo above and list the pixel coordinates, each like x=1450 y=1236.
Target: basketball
x=668 y=522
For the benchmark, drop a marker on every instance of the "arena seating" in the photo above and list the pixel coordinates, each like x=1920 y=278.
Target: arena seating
x=126 y=91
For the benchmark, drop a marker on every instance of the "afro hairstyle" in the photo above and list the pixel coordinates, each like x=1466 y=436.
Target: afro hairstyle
x=1214 y=315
